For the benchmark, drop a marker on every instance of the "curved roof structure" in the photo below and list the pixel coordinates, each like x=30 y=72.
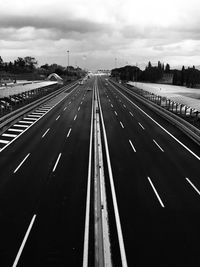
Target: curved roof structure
x=55 y=77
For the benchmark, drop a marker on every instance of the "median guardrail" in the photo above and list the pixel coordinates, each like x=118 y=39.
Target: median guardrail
x=180 y=123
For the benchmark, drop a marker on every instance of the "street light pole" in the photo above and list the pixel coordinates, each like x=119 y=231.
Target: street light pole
x=68 y=60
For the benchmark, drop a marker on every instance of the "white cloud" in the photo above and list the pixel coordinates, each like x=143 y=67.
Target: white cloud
x=100 y=30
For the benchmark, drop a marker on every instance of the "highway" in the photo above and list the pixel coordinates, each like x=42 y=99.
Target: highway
x=47 y=183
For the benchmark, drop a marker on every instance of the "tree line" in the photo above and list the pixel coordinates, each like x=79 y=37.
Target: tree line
x=189 y=77
x=30 y=65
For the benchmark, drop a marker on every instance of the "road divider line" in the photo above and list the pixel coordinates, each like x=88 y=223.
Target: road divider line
x=141 y=125
x=24 y=241
x=158 y=145
x=68 y=134
x=45 y=133
x=132 y=146
x=156 y=193
x=9 y=135
x=21 y=163
x=121 y=124
x=55 y=166
x=194 y=187
x=178 y=141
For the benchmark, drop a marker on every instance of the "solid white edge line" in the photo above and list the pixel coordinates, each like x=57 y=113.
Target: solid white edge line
x=132 y=146
x=24 y=241
x=69 y=132
x=45 y=132
x=58 y=158
x=21 y=163
x=116 y=212
x=40 y=117
x=156 y=193
x=87 y=213
x=189 y=150
x=158 y=145
x=193 y=185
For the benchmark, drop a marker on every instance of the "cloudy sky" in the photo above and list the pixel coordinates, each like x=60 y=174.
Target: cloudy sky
x=101 y=33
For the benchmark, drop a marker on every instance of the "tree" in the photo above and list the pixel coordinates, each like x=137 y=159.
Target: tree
x=167 y=68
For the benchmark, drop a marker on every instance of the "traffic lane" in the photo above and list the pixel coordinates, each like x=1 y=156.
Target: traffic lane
x=166 y=157
x=46 y=122
x=148 y=228
x=58 y=233
x=171 y=128
x=20 y=191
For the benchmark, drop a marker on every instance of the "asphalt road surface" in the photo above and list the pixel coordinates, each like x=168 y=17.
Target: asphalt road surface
x=44 y=184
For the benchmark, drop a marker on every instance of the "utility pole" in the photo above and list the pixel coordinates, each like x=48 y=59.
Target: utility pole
x=67 y=59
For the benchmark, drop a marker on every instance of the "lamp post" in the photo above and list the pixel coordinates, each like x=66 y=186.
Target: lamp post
x=67 y=59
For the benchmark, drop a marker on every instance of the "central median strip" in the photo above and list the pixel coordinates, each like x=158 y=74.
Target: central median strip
x=114 y=198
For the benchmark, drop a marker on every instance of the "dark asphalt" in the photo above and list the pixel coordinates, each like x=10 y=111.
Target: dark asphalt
x=142 y=154
x=153 y=235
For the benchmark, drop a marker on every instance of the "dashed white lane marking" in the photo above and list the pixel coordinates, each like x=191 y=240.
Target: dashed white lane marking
x=78 y=108
x=124 y=106
x=28 y=122
x=54 y=168
x=156 y=193
x=24 y=241
x=188 y=180
x=15 y=130
x=158 y=145
x=141 y=125
x=121 y=124
x=177 y=140
x=111 y=105
x=64 y=108
x=20 y=125
x=34 y=116
x=70 y=102
x=4 y=141
x=131 y=113
x=115 y=113
x=21 y=163
x=57 y=117
x=68 y=134
x=30 y=119
x=75 y=117
x=132 y=146
x=81 y=102
x=9 y=135
x=45 y=133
